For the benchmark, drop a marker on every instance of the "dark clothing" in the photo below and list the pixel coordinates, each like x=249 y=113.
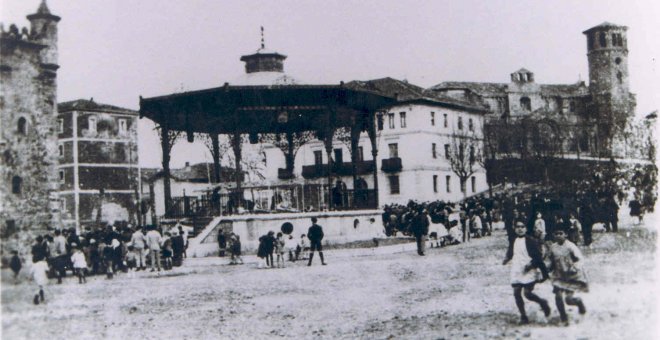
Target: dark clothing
x=315 y=233
x=15 y=264
x=420 y=225
x=587 y=219
x=39 y=252
x=534 y=250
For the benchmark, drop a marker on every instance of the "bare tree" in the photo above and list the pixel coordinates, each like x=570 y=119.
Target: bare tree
x=465 y=155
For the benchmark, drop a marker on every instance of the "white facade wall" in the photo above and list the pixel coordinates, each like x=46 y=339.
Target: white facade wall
x=178 y=188
x=414 y=143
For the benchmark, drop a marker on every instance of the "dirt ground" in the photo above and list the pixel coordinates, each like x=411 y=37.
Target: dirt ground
x=386 y=292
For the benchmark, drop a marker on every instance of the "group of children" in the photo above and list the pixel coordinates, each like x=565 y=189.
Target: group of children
x=528 y=256
x=281 y=245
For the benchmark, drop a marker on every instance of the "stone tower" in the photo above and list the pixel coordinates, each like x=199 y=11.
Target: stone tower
x=28 y=130
x=612 y=104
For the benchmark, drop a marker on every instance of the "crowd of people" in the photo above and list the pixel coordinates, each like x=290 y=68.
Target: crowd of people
x=107 y=251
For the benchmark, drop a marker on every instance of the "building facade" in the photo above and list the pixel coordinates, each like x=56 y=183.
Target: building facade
x=586 y=118
x=28 y=117
x=98 y=167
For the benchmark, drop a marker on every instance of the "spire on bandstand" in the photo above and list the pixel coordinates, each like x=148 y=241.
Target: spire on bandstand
x=263 y=44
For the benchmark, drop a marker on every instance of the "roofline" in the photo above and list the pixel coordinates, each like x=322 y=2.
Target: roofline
x=599 y=27
x=118 y=110
x=441 y=103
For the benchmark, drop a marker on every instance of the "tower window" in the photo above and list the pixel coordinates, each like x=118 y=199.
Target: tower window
x=526 y=104
x=60 y=125
x=122 y=126
x=617 y=61
x=16 y=183
x=619 y=77
x=91 y=124
x=590 y=41
x=22 y=126
x=432 y=118
x=403 y=119
x=390 y=119
x=603 y=40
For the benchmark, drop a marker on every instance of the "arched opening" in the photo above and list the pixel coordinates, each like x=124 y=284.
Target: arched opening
x=526 y=104
x=16 y=184
x=603 y=39
x=22 y=126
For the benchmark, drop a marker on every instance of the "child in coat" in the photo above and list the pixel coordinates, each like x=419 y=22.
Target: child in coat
x=236 y=249
x=40 y=277
x=568 y=275
x=527 y=268
x=15 y=264
x=79 y=263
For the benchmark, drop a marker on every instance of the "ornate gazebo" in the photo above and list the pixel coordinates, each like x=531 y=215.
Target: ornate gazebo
x=266 y=105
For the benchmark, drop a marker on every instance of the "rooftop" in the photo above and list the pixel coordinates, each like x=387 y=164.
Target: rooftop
x=91 y=105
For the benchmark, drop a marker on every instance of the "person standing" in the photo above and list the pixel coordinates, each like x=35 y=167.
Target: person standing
x=79 y=263
x=153 y=242
x=420 y=228
x=315 y=235
x=15 y=264
x=527 y=268
x=60 y=255
x=39 y=276
x=539 y=227
x=139 y=242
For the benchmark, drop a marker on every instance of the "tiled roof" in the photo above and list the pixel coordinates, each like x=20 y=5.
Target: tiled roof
x=605 y=24
x=91 y=105
x=480 y=88
x=561 y=89
x=404 y=91
x=199 y=173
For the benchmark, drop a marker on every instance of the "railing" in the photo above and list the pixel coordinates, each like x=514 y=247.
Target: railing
x=391 y=164
x=340 y=169
x=297 y=198
x=284 y=173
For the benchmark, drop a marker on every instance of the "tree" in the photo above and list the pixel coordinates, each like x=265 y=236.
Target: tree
x=546 y=143
x=465 y=155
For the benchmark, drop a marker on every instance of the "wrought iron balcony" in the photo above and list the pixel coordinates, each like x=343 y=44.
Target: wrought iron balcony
x=285 y=173
x=391 y=164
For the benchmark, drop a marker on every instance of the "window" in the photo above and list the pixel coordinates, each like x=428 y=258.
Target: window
x=60 y=149
x=590 y=41
x=379 y=120
x=526 y=104
x=474 y=184
x=16 y=183
x=460 y=123
x=339 y=156
x=394 y=150
x=60 y=125
x=463 y=186
x=318 y=157
x=22 y=126
x=461 y=151
x=617 y=61
x=603 y=40
x=403 y=119
x=91 y=122
x=472 y=159
x=435 y=183
x=444 y=118
x=470 y=125
x=433 y=150
x=394 y=184
x=122 y=126
x=61 y=176
x=619 y=77
x=448 y=183
x=390 y=118
x=446 y=150
x=432 y=118
x=360 y=155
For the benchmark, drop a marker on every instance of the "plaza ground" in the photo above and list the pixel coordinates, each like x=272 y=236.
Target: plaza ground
x=376 y=293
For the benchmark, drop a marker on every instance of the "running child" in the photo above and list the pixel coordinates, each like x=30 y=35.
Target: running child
x=568 y=275
x=527 y=268
x=79 y=263
x=40 y=277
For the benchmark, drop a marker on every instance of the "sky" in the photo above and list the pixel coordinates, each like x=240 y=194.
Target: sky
x=118 y=50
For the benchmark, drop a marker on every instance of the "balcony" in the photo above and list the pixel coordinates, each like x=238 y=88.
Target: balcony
x=284 y=174
x=339 y=169
x=391 y=165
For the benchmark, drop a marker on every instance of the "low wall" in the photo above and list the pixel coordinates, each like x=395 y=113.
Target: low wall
x=338 y=226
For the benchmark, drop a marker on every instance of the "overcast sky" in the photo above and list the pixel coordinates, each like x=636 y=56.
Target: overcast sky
x=117 y=50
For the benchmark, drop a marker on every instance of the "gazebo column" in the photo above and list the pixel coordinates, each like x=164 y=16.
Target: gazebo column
x=374 y=153
x=165 y=145
x=355 y=140
x=236 y=145
x=216 y=157
x=328 y=151
x=289 y=157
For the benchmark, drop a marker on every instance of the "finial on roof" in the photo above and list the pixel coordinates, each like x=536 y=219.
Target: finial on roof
x=263 y=44
x=43 y=8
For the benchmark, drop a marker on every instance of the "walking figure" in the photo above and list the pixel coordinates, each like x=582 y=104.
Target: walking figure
x=568 y=275
x=527 y=268
x=315 y=235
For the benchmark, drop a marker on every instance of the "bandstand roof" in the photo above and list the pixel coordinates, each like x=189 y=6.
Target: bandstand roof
x=264 y=108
